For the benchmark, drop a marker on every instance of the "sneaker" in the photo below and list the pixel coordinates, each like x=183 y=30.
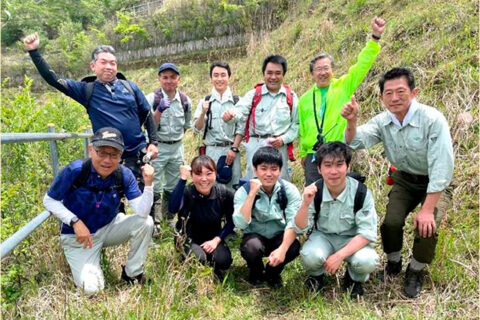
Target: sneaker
x=275 y=282
x=391 y=269
x=140 y=279
x=413 y=282
x=355 y=286
x=315 y=283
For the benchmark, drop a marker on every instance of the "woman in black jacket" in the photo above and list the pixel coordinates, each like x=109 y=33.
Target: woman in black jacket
x=202 y=207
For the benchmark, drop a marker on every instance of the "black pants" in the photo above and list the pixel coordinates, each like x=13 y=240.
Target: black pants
x=220 y=258
x=254 y=247
x=132 y=164
x=311 y=170
x=407 y=193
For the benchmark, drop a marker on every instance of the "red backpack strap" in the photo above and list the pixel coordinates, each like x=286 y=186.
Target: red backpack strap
x=255 y=101
x=291 y=156
x=289 y=97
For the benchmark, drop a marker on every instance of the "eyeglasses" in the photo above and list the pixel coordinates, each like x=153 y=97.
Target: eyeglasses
x=322 y=68
x=103 y=154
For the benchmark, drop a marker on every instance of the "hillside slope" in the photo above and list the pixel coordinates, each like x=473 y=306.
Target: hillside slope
x=437 y=39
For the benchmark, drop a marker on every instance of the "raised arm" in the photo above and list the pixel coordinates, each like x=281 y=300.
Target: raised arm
x=31 y=44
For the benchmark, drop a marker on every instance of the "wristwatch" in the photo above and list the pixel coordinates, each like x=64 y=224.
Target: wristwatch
x=154 y=142
x=234 y=149
x=74 y=219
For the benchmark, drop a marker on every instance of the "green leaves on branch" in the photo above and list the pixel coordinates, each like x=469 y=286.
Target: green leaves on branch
x=129 y=30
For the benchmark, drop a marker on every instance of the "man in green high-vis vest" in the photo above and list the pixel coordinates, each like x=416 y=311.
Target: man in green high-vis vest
x=319 y=108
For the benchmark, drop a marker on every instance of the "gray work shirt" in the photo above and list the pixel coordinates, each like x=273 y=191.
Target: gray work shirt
x=337 y=217
x=272 y=115
x=421 y=145
x=173 y=122
x=267 y=219
x=219 y=132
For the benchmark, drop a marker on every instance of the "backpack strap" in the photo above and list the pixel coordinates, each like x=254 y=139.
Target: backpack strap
x=282 y=198
x=235 y=99
x=288 y=90
x=184 y=102
x=82 y=179
x=89 y=92
x=359 y=197
x=157 y=96
x=317 y=201
x=257 y=97
x=208 y=123
x=358 y=201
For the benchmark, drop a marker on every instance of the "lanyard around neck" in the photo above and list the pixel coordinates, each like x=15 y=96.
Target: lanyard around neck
x=319 y=128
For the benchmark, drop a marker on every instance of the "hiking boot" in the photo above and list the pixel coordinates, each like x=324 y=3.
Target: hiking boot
x=355 y=286
x=140 y=279
x=391 y=269
x=275 y=282
x=413 y=283
x=315 y=283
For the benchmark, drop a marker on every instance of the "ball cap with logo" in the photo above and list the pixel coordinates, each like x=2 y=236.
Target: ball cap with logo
x=108 y=136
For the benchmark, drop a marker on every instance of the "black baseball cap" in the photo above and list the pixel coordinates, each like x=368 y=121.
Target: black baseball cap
x=168 y=66
x=108 y=136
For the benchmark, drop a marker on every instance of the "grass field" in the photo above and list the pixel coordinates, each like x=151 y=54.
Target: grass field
x=437 y=39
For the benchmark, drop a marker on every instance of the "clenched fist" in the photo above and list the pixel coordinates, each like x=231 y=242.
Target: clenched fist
x=31 y=42
x=147 y=173
x=185 y=172
x=378 y=26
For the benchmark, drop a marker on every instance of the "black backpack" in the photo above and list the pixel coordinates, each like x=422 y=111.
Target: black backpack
x=282 y=198
x=208 y=124
x=357 y=203
x=90 y=80
x=82 y=178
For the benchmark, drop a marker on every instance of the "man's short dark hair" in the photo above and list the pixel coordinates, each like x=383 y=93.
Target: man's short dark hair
x=396 y=73
x=277 y=60
x=268 y=155
x=100 y=49
x=336 y=149
x=220 y=64
x=318 y=57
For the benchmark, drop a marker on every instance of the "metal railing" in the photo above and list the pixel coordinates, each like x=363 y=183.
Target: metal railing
x=12 y=242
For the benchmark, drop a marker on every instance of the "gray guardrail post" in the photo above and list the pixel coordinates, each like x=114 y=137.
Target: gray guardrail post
x=53 y=151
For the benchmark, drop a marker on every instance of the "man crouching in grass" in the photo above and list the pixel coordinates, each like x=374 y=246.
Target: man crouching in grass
x=341 y=213
x=264 y=208
x=86 y=196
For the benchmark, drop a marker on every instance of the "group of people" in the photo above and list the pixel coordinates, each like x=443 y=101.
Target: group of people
x=336 y=212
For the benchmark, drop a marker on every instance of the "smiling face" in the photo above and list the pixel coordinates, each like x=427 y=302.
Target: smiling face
x=397 y=96
x=105 y=159
x=204 y=180
x=334 y=172
x=322 y=72
x=268 y=174
x=273 y=76
x=169 y=80
x=105 y=67
x=220 y=79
